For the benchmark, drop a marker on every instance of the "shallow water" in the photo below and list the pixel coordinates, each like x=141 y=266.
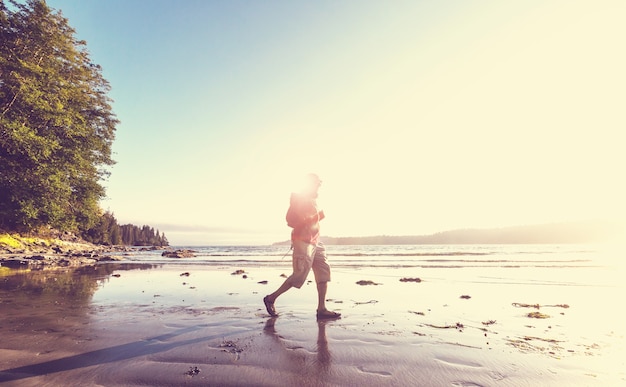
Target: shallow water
x=466 y=321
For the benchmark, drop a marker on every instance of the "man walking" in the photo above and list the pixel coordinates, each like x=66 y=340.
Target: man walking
x=308 y=252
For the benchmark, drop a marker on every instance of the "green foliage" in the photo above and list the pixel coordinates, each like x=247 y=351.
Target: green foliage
x=108 y=232
x=56 y=123
x=9 y=240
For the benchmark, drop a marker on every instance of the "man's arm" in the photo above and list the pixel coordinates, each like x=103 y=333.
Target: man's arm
x=296 y=219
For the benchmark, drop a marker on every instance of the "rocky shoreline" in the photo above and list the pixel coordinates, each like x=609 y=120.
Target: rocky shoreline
x=58 y=257
x=65 y=251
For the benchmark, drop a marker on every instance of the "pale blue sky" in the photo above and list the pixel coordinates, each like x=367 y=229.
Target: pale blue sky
x=419 y=116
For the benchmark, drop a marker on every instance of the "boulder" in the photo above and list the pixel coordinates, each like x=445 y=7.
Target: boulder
x=178 y=253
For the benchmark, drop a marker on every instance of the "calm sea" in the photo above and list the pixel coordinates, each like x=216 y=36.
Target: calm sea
x=424 y=256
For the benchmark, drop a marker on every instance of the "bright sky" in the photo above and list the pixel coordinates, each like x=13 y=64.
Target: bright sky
x=420 y=116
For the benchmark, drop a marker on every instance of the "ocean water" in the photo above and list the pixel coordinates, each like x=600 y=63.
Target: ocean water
x=424 y=256
x=550 y=265
x=553 y=273
x=473 y=305
x=578 y=286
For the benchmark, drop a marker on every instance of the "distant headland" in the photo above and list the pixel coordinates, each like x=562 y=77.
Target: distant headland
x=554 y=233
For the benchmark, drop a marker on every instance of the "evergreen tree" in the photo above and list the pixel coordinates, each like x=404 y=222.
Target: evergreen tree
x=116 y=234
x=107 y=231
x=56 y=122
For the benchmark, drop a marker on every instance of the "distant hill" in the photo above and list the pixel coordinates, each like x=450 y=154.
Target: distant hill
x=556 y=233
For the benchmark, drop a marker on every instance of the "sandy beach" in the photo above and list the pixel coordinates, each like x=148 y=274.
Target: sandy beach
x=137 y=324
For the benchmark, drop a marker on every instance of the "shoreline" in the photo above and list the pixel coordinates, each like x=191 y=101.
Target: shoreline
x=65 y=250
x=77 y=255
x=172 y=324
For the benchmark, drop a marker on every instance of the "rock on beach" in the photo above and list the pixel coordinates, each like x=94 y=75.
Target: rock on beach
x=183 y=253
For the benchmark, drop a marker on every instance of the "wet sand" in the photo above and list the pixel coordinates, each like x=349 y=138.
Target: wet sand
x=148 y=325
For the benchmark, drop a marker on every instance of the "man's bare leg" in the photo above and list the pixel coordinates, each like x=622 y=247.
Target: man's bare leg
x=322 y=312
x=322 y=287
x=271 y=298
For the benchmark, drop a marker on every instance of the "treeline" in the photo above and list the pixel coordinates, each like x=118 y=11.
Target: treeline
x=108 y=232
x=56 y=124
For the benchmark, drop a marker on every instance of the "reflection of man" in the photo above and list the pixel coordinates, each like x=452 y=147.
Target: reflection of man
x=308 y=252
x=323 y=354
x=324 y=357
